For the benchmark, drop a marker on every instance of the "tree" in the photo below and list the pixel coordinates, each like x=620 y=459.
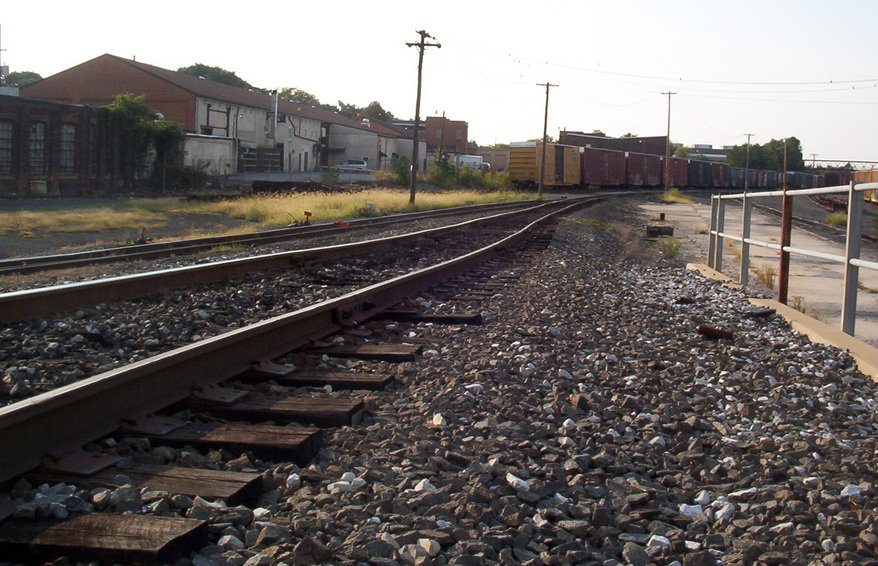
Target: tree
x=769 y=156
x=140 y=131
x=682 y=152
x=629 y=135
x=349 y=110
x=375 y=111
x=302 y=97
x=215 y=74
x=21 y=78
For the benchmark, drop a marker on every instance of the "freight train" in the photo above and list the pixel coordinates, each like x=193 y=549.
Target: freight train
x=571 y=166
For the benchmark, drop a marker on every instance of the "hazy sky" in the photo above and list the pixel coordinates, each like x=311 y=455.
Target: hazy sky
x=770 y=68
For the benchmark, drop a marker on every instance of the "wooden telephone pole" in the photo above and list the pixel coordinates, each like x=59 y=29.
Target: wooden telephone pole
x=420 y=45
x=545 y=124
x=668 y=146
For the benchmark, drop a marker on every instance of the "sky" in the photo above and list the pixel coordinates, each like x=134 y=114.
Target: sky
x=770 y=68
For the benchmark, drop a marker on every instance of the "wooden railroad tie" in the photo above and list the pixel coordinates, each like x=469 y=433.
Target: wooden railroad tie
x=103 y=537
x=287 y=375
x=235 y=488
x=275 y=443
x=242 y=405
x=380 y=352
x=414 y=316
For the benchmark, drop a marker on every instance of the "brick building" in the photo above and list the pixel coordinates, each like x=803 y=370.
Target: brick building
x=653 y=145
x=50 y=148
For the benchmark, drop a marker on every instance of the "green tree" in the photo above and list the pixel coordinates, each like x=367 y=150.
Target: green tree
x=217 y=74
x=770 y=155
x=682 y=152
x=140 y=133
x=629 y=135
x=302 y=97
x=21 y=78
x=374 y=111
x=349 y=110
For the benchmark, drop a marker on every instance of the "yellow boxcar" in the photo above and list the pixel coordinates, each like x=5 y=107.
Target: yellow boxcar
x=562 y=164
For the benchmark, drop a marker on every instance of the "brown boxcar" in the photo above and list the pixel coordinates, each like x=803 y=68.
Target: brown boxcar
x=720 y=175
x=602 y=167
x=679 y=172
x=644 y=170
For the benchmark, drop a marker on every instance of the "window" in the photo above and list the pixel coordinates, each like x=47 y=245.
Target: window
x=68 y=149
x=36 y=149
x=459 y=134
x=5 y=147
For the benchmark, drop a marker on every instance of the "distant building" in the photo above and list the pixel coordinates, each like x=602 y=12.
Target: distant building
x=229 y=129
x=55 y=149
x=654 y=145
x=709 y=152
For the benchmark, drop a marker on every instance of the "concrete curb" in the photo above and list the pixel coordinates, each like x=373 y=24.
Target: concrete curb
x=865 y=355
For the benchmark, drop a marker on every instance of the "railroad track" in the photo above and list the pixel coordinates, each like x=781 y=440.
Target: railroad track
x=183 y=398
x=196 y=245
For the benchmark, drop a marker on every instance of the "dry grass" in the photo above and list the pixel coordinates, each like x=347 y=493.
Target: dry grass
x=261 y=210
x=26 y=223
x=280 y=210
x=766 y=273
x=673 y=195
x=837 y=219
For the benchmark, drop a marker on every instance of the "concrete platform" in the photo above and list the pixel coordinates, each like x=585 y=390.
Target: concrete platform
x=816 y=285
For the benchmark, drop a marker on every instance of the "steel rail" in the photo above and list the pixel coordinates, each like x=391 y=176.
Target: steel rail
x=32 y=303
x=57 y=422
x=34 y=264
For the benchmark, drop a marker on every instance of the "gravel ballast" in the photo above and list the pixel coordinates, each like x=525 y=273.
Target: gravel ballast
x=587 y=422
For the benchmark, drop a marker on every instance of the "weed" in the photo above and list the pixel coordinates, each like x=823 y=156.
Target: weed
x=674 y=195
x=799 y=303
x=766 y=273
x=252 y=214
x=837 y=219
x=669 y=246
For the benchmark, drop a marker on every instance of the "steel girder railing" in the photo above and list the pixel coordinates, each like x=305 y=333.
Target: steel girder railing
x=851 y=259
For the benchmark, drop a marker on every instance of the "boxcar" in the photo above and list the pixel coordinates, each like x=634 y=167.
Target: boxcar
x=643 y=170
x=771 y=180
x=720 y=175
x=736 y=177
x=699 y=173
x=837 y=178
x=679 y=172
x=562 y=164
x=602 y=167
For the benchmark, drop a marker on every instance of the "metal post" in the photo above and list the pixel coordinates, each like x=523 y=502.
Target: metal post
x=720 y=227
x=745 y=247
x=711 y=238
x=786 y=229
x=851 y=272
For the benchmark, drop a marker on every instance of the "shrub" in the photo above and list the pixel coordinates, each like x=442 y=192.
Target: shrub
x=669 y=246
x=329 y=176
x=673 y=195
x=401 y=170
x=837 y=219
x=765 y=274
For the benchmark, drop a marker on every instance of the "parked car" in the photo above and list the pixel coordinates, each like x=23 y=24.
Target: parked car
x=353 y=165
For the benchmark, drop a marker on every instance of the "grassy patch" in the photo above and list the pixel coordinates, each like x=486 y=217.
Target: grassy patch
x=669 y=246
x=837 y=219
x=863 y=287
x=223 y=249
x=675 y=196
x=26 y=222
x=278 y=210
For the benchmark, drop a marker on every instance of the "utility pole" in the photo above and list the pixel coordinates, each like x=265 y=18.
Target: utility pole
x=2 y=74
x=814 y=161
x=545 y=124
x=747 y=164
x=421 y=45
x=668 y=146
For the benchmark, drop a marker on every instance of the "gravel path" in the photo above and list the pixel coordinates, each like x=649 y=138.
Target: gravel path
x=587 y=422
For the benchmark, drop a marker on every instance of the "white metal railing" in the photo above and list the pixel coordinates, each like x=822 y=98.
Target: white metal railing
x=851 y=259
